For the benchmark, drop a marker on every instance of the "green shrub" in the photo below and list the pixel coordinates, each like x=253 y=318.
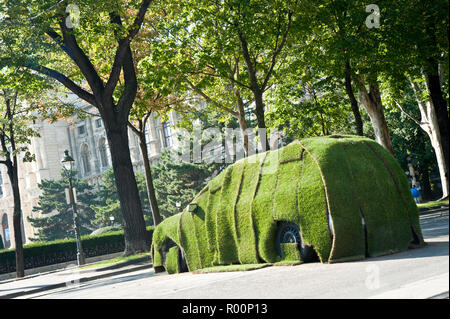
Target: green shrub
x=47 y=253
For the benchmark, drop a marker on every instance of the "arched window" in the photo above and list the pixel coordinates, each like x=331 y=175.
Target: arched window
x=85 y=158
x=103 y=153
x=167 y=134
x=5 y=228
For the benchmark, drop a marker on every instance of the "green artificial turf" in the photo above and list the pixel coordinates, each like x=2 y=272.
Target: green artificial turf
x=288 y=263
x=226 y=238
x=171 y=265
x=290 y=252
x=312 y=208
x=199 y=217
x=345 y=214
x=189 y=242
x=309 y=182
x=265 y=225
x=402 y=186
x=244 y=219
x=285 y=192
x=228 y=268
x=433 y=204
x=215 y=187
x=167 y=229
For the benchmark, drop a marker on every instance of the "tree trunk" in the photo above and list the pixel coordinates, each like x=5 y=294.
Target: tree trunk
x=430 y=124
x=372 y=103
x=425 y=183
x=17 y=217
x=242 y=121
x=353 y=101
x=259 y=112
x=440 y=107
x=136 y=238
x=149 y=180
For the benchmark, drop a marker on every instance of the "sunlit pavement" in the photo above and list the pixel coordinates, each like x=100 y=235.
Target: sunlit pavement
x=417 y=273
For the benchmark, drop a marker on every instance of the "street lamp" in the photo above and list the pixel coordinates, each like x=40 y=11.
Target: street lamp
x=67 y=162
x=111 y=218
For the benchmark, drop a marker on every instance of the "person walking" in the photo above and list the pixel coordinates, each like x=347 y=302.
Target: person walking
x=415 y=193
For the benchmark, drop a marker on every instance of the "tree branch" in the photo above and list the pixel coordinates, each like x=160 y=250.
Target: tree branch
x=72 y=86
x=208 y=99
x=277 y=51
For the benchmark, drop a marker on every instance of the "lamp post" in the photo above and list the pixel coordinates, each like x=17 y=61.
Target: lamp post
x=67 y=162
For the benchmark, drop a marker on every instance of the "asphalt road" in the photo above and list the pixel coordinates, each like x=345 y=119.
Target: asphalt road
x=417 y=273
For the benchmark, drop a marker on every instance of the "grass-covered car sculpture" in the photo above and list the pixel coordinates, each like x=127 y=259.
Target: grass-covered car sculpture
x=331 y=199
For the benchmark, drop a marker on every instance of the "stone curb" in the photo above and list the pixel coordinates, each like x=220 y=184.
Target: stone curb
x=432 y=210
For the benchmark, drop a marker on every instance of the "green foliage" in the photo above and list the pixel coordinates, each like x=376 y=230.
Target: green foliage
x=51 y=252
x=56 y=221
x=179 y=181
x=308 y=104
x=108 y=203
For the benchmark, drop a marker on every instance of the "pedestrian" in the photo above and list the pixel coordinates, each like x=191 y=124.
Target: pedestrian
x=415 y=193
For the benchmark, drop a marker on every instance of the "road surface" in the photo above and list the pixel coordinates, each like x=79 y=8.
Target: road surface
x=417 y=273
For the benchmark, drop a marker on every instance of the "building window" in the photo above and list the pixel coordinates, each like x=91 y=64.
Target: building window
x=81 y=130
x=167 y=134
x=85 y=159
x=98 y=123
x=103 y=153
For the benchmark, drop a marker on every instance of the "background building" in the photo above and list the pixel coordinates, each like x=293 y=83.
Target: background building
x=87 y=143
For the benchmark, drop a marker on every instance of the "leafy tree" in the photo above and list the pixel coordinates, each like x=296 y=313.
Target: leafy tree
x=108 y=204
x=89 y=57
x=409 y=140
x=308 y=104
x=234 y=44
x=179 y=182
x=57 y=216
x=16 y=85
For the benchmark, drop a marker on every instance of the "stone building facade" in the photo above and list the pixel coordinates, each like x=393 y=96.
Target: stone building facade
x=86 y=141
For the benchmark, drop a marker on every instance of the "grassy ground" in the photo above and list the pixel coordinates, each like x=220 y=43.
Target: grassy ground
x=433 y=204
x=115 y=261
x=245 y=267
x=228 y=268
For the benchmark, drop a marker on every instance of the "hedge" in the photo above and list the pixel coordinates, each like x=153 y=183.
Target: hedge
x=59 y=251
x=348 y=195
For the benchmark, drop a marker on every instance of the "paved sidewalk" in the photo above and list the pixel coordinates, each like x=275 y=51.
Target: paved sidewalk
x=65 y=278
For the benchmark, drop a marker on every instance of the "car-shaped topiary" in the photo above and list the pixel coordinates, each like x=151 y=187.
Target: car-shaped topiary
x=331 y=199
